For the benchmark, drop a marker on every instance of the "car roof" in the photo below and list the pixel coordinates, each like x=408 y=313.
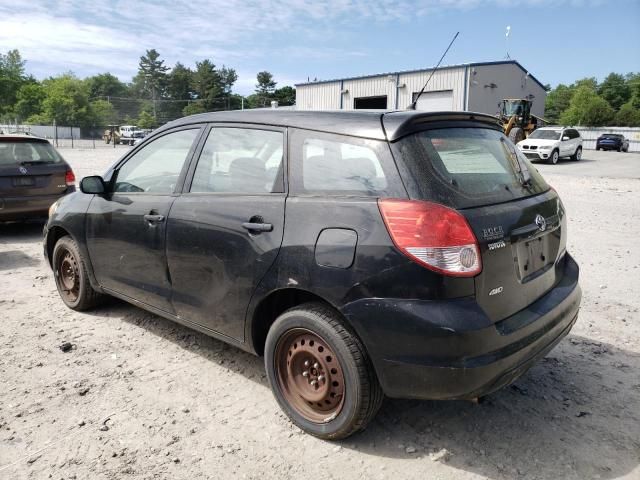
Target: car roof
x=21 y=136
x=376 y=124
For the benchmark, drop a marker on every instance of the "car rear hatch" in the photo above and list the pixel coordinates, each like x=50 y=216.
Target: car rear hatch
x=517 y=219
x=31 y=166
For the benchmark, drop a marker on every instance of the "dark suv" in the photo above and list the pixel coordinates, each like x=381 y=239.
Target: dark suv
x=33 y=175
x=612 y=141
x=414 y=255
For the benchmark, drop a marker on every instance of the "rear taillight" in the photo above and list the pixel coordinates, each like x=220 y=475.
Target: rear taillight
x=435 y=236
x=70 y=178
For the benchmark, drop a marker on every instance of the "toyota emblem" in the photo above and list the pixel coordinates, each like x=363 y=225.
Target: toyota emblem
x=541 y=222
x=23 y=170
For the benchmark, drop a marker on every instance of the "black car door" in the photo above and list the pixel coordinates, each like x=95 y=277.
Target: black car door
x=126 y=228
x=225 y=230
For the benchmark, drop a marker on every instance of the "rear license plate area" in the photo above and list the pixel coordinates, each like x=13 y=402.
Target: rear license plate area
x=533 y=257
x=24 y=181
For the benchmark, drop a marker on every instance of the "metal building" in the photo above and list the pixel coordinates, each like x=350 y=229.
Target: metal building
x=476 y=87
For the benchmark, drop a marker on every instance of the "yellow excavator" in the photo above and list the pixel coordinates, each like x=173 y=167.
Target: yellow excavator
x=517 y=120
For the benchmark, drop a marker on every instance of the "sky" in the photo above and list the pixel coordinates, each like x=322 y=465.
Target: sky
x=558 y=41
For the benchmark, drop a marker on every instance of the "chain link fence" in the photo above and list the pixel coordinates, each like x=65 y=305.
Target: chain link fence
x=146 y=115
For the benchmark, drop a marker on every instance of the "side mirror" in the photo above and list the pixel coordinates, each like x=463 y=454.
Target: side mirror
x=565 y=138
x=93 y=184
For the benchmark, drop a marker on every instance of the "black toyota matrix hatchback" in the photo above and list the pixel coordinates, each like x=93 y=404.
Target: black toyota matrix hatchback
x=413 y=255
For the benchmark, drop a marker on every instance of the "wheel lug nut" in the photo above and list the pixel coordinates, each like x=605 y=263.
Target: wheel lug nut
x=305 y=374
x=307 y=363
x=314 y=383
x=316 y=365
x=320 y=378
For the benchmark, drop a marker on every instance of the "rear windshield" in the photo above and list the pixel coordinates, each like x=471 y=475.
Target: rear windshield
x=612 y=136
x=465 y=167
x=16 y=152
x=546 y=134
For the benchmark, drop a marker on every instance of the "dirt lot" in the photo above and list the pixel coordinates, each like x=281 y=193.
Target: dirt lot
x=141 y=397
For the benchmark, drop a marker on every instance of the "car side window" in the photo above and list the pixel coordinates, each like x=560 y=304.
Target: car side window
x=156 y=167
x=240 y=160
x=340 y=165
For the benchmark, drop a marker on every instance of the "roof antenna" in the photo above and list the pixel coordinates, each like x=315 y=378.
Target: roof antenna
x=506 y=36
x=415 y=102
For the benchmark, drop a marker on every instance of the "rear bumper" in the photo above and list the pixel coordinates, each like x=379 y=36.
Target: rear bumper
x=451 y=350
x=608 y=146
x=19 y=208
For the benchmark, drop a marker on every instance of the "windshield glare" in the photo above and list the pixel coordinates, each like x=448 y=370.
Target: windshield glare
x=465 y=167
x=546 y=134
x=17 y=152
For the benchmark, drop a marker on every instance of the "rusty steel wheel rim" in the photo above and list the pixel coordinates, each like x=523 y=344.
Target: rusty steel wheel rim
x=68 y=276
x=309 y=375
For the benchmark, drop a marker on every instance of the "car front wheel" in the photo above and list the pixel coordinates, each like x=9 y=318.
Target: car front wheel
x=553 y=158
x=320 y=373
x=71 y=277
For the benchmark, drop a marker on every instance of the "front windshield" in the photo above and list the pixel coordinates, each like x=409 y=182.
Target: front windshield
x=546 y=134
x=16 y=152
x=513 y=108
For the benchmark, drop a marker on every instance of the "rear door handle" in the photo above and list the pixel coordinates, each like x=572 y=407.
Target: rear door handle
x=154 y=218
x=258 y=227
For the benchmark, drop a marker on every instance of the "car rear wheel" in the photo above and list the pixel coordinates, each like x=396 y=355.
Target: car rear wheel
x=320 y=373
x=578 y=155
x=71 y=277
x=553 y=158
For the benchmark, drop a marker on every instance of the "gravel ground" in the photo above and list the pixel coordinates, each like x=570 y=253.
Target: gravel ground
x=141 y=397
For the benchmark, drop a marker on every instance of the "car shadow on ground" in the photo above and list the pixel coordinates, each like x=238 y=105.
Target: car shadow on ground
x=576 y=414
x=21 y=232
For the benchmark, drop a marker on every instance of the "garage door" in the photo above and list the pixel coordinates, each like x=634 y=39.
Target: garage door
x=436 y=101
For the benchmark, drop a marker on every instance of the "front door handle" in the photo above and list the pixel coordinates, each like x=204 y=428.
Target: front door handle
x=257 y=227
x=153 y=219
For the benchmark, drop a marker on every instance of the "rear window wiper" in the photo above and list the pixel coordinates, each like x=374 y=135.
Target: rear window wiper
x=515 y=162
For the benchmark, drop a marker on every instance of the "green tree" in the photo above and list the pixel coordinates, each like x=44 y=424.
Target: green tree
x=105 y=85
x=285 y=96
x=628 y=116
x=194 y=107
x=206 y=84
x=146 y=120
x=12 y=77
x=557 y=102
x=102 y=113
x=615 y=90
x=179 y=82
x=67 y=101
x=266 y=84
x=227 y=78
x=587 y=108
x=590 y=82
x=151 y=79
x=29 y=100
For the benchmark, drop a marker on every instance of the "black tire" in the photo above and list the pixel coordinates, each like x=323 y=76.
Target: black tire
x=554 y=157
x=597 y=149
x=72 y=280
x=516 y=135
x=619 y=149
x=362 y=395
x=577 y=156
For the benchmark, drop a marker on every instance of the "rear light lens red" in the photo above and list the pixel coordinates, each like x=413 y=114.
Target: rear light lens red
x=433 y=235
x=70 y=178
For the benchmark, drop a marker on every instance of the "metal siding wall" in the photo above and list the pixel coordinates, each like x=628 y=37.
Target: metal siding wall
x=323 y=96
x=449 y=79
x=590 y=135
x=511 y=82
x=369 y=87
x=327 y=95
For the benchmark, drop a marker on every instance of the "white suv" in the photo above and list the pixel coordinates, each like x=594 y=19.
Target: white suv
x=551 y=143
